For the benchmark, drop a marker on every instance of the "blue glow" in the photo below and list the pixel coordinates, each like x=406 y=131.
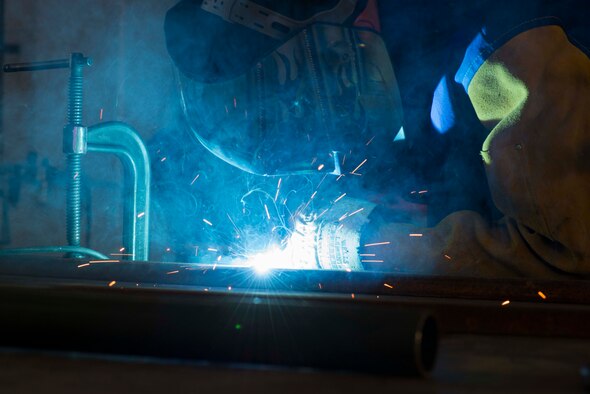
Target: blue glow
x=442 y=115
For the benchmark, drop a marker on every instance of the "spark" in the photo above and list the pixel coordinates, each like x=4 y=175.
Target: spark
x=371 y=261
x=229 y=288
x=354 y=173
x=378 y=244
x=219 y=258
x=172 y=272
x=195 y=179
x=339 y=198
x=423 y=191
x=212 y=249
x=320 y=286
x=122 y=249
x=112 y=283
x=416 y=235
x=506 y=303
x=347 y=270
x=84 y=265
x=323 y=212
x=140 y=215
x=100 y=115
x=340 y=227
x=343 y=217
x=307 y=204
x=339 y=176
x=388 y=285
x=163 y=159
x=542 y=295
x=320 y=167
x=121 y=254
x=448 y=257
x=371 y=140
x=367 y=254
x=278 y=189
x=234 y=224
x=357 y=211
x=352 y=295
x=266 y=210
x=359 y=166
x=168 y=249
x=208 y=222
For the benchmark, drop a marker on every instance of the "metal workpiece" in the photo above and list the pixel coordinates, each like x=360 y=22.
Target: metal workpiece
x=330 y=332
x=123 y=141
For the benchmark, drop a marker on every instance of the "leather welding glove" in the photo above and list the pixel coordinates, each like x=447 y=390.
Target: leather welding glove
x=330 y=239
x=533 y=95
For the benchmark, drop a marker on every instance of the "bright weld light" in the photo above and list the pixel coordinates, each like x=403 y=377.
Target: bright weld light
x=265 y=261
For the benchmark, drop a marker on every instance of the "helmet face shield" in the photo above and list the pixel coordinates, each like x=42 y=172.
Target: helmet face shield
x=324 y=100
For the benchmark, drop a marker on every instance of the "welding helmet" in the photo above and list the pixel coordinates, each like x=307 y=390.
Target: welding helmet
x=296 y=96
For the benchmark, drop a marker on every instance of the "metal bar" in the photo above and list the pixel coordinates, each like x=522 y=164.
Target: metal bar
x=122 y=140
x=37 y=66
x=317 y=332
x=53 y=249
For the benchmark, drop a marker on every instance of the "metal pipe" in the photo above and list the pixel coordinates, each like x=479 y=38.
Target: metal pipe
x=328 y=332
x=122 y=140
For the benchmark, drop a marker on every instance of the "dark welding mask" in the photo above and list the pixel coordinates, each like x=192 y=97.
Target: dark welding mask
x=324 y=100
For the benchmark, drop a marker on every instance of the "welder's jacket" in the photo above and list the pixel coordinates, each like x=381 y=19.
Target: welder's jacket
x=532 y=92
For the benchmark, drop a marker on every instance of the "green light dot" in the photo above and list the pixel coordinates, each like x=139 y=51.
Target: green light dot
x=238 y=326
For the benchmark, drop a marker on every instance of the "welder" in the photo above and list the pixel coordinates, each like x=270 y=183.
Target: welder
x=487 y=109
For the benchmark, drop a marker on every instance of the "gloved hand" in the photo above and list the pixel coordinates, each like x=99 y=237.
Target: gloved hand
x=330 y=239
